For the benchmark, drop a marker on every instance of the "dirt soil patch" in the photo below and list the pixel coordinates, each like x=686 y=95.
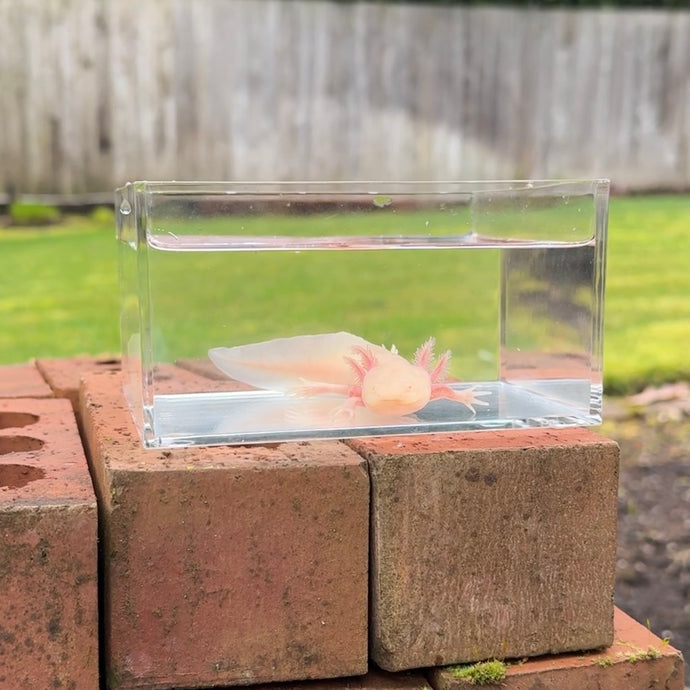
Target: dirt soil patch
x=653 y=560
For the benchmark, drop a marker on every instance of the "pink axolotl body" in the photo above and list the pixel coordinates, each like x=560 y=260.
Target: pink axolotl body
x=348 y=366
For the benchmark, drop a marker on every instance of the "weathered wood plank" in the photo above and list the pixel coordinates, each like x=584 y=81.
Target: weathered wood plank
x=93 y=92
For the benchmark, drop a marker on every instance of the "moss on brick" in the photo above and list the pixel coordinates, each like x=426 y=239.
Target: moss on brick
x=482 y=673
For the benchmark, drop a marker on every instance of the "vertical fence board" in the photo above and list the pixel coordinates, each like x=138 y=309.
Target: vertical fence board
x=94 y=92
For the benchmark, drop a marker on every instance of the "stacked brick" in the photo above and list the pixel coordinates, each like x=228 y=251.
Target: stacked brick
x=372 y=564
x=48 y=541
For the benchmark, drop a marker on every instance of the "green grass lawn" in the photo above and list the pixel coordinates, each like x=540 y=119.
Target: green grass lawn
x=58 y=290
x=59 y=294
x=647 y=317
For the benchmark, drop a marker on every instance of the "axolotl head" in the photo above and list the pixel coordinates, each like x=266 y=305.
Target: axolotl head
x=396 y=388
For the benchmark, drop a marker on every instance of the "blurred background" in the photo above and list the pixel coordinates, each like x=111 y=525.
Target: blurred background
x=95 y=93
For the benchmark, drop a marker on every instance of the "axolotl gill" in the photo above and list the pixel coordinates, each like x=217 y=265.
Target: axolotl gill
x=345 y=365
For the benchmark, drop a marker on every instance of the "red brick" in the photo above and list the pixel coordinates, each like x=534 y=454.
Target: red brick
x=22 y=381
x=48 y=550
x=637 y=660
x=374 y=680
x=204 y=367
x=227 y=565
x=496 y=544
x=63 y=375
x=186 y=378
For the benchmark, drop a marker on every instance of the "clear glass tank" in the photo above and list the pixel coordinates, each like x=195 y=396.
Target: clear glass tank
x=263 y=312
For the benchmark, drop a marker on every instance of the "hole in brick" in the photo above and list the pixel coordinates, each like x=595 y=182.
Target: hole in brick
x=8 y=420
x=112 y=362
x=19 y=444
x=17 y=476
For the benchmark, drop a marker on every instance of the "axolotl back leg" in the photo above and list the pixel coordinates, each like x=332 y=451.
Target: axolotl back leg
x=360 y=359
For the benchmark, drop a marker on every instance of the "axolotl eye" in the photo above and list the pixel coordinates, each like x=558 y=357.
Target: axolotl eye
x=396 y=390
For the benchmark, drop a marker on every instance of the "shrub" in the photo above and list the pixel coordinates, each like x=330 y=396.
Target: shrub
x=103 y=215
x=26 y=214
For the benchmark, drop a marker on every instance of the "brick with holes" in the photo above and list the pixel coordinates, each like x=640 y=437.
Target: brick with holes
x=22 y=381
x=48 y=550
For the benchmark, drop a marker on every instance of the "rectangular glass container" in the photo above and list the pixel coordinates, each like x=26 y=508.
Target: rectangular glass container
x=263 y=312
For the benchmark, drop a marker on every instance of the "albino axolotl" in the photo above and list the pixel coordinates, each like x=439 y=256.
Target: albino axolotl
x=345 y=365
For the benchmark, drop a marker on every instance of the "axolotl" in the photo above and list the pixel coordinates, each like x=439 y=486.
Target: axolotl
x=345 y=365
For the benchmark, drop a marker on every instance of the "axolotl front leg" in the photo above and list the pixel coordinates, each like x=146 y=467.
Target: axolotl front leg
x=469 y=397
x=440 y=390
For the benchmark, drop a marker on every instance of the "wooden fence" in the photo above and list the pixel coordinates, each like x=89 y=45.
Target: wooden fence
x=96 y=92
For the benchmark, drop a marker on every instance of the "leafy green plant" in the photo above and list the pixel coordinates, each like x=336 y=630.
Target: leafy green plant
x=103 y=215
x=28 y=214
